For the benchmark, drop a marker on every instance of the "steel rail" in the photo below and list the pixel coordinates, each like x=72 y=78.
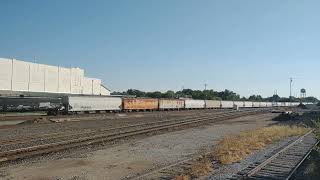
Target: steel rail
x=51 y=147
x=288 y=160
x=90 y=131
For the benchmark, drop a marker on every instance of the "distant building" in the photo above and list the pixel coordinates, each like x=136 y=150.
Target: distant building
x=20 y=77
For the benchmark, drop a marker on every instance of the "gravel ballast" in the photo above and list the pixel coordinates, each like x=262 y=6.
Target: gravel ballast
x=229 y=171
x=136 y=156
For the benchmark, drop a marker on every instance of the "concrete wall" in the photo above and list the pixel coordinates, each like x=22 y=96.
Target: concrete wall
x=77 y=76
x=93 y=86
x=51 y=79
x=105 y=91
x=64 y=80
x=37 y=72
x=5 y=74
x=20 y=76
x=87 y=86
x=24 y=76
x=96 y=84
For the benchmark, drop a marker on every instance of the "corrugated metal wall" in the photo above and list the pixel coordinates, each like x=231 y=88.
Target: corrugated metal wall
x=18 y=75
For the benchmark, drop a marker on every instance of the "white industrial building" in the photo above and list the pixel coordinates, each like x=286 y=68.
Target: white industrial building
x=21 y=76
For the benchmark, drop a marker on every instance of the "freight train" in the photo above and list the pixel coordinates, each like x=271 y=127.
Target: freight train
x=74 y=104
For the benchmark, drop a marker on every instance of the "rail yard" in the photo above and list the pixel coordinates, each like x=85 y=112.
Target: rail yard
x=57 y=140
x=70 y=127
x=159 y=90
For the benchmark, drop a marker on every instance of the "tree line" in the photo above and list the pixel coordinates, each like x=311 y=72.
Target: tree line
x=226 y=95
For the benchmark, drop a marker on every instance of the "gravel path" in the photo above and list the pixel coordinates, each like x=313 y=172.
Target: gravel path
x=136 y=156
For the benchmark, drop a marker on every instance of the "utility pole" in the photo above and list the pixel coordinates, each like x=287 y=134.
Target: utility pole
x=290 y=89
x=205 y=89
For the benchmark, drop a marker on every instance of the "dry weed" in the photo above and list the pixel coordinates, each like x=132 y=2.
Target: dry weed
x=182 y=177
x=201 y=168
x=234 y=148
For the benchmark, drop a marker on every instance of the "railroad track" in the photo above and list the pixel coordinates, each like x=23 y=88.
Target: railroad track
x=280 y=166
x=167 y=171
x=41 y=136
x=73 y=140
x=284 y=163
x=10 y=117
x=46 y=136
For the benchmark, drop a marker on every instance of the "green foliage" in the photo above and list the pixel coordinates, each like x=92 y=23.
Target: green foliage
x=255 y=98
x=208 y=94
x=310 y=99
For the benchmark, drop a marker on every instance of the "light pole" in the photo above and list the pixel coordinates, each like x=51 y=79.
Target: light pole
x=290 y=89
x=205 y=89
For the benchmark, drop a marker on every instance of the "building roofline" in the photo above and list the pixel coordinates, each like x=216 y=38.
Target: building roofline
x=105 y=87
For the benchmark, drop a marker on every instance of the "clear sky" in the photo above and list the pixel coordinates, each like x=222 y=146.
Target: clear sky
x=249 y=46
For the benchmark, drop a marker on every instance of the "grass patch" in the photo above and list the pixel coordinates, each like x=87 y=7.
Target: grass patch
x=201 y=167
x=232 y=149
x=182 y=177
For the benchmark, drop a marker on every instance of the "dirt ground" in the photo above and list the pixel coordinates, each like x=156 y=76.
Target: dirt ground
x=136 y=156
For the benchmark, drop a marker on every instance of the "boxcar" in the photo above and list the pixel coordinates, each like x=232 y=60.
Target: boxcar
x=248 y=104
x=140 y=104
x=211 y=104
x=171 y=104
x=194 y=104
x=226 y=104
x=239 y=104
x=282 y=104
x=92 y=103
x=269 y=104
x=263 y=104
x=256 y=104
x=295 y=104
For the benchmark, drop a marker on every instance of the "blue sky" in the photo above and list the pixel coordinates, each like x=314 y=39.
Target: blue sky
x=249 y=46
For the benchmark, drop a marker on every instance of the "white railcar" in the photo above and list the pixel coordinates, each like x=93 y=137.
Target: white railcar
x=194 y=104
x=226 y=104
x=256 y=104
x=92 y=103
x=239 y=104
x=171 y=104
x=269 y=104
x=263 y=104
x=282 y=104
x=248 y=104
x=295 y=104
x=210 y=104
